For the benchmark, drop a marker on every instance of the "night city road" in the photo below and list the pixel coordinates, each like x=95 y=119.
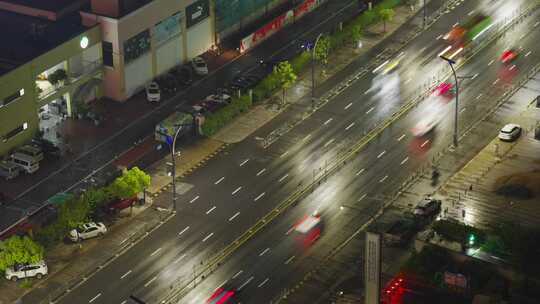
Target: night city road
x=246 y=182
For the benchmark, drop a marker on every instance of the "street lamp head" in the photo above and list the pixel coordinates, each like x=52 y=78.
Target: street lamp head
x=447 y=59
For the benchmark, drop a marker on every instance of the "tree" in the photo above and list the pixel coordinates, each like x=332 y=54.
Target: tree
x=322 y=49
x=386 y=14
x=19 y=250
x=131 y=182
x=356 y=34
x=286 y=76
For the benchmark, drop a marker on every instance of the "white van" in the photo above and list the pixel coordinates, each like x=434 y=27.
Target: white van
x=32 y=151
x=9 y=170
x=28 y=163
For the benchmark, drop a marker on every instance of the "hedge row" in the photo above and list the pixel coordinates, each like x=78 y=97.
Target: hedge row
x=215 y=121
x=458 y=232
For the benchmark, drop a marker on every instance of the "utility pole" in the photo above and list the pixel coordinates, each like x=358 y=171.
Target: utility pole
x=451 y=63
x=173 y=156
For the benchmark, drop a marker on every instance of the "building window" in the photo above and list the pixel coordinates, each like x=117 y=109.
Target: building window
x=11 y=98
x=107 y=54
x=14 y=132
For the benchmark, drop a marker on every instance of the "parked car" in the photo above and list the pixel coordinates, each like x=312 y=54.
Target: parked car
x=19 y=271
x=427 y=207
x=87 y=231
x=47 y=147
x=153 y=93
x=510 y=132
x=120 y=204
x=167 y=82
x=27 y=163
x=204 y=106
x=184 y=74
x=244 y=82
x=32 y=151
x=199 y=66
x=219 y=97
x=8 y=170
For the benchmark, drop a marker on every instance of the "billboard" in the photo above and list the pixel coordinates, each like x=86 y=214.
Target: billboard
x=372 y=277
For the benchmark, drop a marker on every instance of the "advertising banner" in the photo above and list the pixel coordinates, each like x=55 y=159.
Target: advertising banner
x=373 y=268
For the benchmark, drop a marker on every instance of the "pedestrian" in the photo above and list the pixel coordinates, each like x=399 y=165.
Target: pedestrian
x=470 y=187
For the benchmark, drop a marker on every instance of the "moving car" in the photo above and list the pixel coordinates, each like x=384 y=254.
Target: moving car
x=510 y=132
x=244 y=82
x=87 y=231
x=8 y=170
x=309 y=229
x=222 y=296
x=199 y=66
x=508 y=56
x=427 y=207
x=32 y=151
x=444 y=89
x=120 y=204
x=153 y=93
x=219 y=97
x=16 y=272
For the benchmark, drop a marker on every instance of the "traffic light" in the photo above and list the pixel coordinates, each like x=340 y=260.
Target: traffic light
x=472 y=239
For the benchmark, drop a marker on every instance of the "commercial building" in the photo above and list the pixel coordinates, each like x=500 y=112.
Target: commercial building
x=49 y=62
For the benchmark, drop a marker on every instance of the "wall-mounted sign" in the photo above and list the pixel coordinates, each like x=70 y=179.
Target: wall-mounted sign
x=136 y=46
x=168 y=28
x=84 y=42
x=197 y=12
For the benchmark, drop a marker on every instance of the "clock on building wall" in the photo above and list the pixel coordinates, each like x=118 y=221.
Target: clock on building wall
x=84 y=42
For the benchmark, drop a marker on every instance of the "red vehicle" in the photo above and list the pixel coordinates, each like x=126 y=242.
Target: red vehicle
x=222 y=296
x=509 y=56
x=444 y=89
x=120 y=204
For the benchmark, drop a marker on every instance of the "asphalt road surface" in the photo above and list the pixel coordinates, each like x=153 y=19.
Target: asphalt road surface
x=246 y=182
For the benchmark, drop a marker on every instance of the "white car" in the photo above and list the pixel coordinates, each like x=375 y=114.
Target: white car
x=199 y=66
x=427 y=207
x=153 y=93
x=223 y=98
x=87 y=231
x=510 y=132
x=37 y=270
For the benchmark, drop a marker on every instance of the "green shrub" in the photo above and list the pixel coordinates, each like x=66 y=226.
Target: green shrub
x=458 y=232
x=299 y=62
x=215 y=121
x=387 y=4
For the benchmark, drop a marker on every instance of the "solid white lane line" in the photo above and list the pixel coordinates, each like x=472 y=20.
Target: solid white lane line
x=383 y=179
x=329 y=142
x=349 y=126
x=94 y=298
x=184 y=230
x=125 y=274
x=424 y=143
x=528 y=53
x=244 y=162
x=150 y=282
x=207 y=237
x=237 y=274
x=496 y=81
x=261 y=172
x=245 y=283
x=234 y=216
x=479 y=96
x=219 y=180
x=179 y=259
x=289 y=260
x=194 y=199
x=263 y=282
x=360 y=171
x=264 y=252
x=348 y=106
x=236 y=191
x=404 y=160
x=259 y=196
x=381 y=154
x=328 y=121
x=155 y=251
x=210 y=210
x=371 y=109
x=491 y=62
x=285 y=153
x=401 y=137
x=362 y=197
x=283 y=177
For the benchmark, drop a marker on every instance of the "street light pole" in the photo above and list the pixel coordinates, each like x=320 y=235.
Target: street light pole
x=313 y=71
x=173 y=153
x=451 y=63
x=424 y=19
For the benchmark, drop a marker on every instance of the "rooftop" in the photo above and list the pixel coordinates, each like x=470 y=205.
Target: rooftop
x=29 y=37
x=46 y=5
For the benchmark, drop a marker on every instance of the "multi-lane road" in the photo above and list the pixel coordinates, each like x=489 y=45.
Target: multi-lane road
x=245 y=182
